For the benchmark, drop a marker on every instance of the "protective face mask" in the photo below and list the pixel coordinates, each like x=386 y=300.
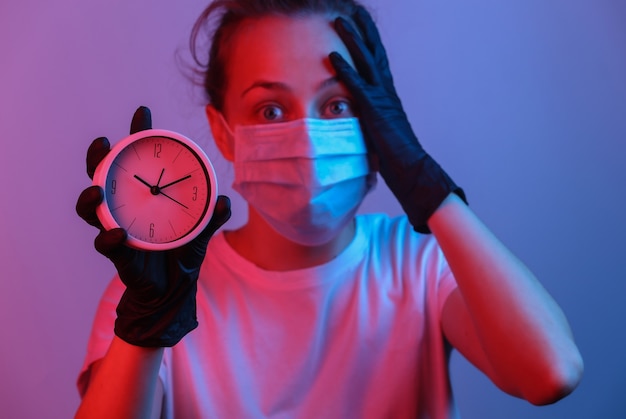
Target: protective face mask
x=306 y=178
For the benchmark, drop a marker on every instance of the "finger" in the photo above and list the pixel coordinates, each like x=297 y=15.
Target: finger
x=110 y=242
x=98 y=149
x=87 y=203
x=221 y=214
x=371 y=36
x=362 y=57
x=353 y=82
x=142 y=120
x=374 y=43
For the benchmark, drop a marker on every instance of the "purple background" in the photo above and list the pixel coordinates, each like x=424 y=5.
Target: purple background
x=523 y=102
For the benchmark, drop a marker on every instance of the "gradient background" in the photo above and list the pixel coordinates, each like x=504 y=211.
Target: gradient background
x=522 y=101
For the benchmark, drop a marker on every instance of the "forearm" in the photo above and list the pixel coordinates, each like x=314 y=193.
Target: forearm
x=522 y=331
x=125 y=383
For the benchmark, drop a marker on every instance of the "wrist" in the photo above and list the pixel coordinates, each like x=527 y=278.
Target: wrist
x=421 y=190
x=161 y=323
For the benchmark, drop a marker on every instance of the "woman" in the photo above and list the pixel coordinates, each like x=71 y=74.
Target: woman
x=307 y=310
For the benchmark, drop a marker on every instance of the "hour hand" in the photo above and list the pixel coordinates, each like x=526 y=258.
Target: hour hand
x=143 y=181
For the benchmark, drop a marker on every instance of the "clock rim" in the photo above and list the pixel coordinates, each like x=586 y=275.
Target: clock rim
x=104 y=212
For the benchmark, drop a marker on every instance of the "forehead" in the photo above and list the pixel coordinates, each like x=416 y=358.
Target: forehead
x=293 y=50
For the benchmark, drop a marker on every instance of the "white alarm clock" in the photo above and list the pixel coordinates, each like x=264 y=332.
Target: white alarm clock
x=159 y=186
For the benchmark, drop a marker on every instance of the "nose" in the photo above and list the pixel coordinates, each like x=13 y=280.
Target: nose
x=306 y=109
x=311 y=110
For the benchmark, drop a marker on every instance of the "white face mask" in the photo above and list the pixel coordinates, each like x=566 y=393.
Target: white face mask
x=306 y=178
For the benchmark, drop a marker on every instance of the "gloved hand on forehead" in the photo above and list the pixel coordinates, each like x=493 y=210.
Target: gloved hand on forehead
x=158 y=306
x=414 y=177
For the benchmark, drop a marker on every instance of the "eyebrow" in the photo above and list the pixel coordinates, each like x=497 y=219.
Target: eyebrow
x=328 y=82
x=275 y=85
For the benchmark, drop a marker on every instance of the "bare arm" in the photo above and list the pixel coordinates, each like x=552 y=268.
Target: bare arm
x=501 y=318
x=124 y=384
x=158 y=307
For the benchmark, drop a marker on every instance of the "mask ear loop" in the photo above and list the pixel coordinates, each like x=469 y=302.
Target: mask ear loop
x=225 y=126
x=222 y=134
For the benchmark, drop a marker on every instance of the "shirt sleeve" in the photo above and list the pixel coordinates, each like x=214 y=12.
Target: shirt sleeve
x=447 y=283
x=425 y=262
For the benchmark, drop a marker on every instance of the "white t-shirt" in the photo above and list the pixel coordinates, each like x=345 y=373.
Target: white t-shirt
x=357 y=337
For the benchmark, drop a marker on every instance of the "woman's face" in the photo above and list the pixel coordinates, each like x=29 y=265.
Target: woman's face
x=278 y=70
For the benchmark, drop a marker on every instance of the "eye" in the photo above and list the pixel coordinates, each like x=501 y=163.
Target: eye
x=338 y=108
x=271 y=113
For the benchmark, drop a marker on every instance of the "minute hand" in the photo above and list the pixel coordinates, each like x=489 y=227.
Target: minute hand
x=175 y=182
x=178 y=202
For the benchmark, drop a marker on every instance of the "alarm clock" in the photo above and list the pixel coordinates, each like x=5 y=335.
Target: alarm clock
x=159 y=186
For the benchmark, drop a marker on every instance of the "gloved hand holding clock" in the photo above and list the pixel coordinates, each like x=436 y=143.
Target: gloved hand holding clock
x=416 y=180
x=158 y=306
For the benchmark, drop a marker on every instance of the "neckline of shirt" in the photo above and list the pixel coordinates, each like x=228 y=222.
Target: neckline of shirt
x=330 y=271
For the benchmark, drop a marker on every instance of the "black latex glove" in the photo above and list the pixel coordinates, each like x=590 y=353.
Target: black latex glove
x=158 y=307
x=416 y=180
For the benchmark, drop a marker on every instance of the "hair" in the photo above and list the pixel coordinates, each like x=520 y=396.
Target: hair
x=225 y=16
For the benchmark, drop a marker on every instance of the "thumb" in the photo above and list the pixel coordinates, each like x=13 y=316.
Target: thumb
x=221 y=214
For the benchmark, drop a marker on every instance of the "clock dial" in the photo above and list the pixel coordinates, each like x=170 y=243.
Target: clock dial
x=159 y=189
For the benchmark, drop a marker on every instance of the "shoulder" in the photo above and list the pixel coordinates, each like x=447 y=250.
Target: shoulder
x=395 y=235
x=394 y=248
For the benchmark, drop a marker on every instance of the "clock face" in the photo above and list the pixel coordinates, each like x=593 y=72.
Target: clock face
x=158 y=188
